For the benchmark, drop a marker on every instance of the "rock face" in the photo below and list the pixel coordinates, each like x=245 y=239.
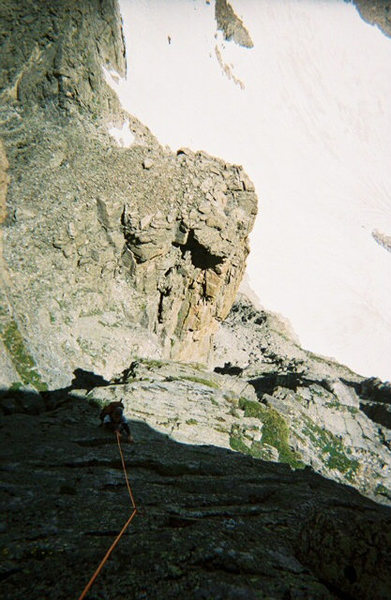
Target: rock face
x=338 y=422
x=53 y=54
x=230 y=24
x=212 y=523
x=382 y=239
x=186 y=251
x=107 y=252
x=286 y=406
x=376 y=12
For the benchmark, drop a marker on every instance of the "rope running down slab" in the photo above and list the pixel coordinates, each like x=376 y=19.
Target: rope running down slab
x=117 y=539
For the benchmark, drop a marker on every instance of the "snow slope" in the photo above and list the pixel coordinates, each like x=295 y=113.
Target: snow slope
x=307 y=114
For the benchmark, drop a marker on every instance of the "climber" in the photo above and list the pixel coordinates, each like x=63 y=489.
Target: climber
x=112 y=418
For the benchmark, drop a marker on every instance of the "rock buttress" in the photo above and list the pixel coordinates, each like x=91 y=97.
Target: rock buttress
x=186 y=248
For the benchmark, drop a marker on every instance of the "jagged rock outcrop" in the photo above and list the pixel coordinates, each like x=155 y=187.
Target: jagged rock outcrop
x=187 y=254
x=287 y=406
x=376 y=12
x=382 y=239
x=375 y=401
x=107 y=252
x=231 y=25
x=338 y=422
x=55 y=54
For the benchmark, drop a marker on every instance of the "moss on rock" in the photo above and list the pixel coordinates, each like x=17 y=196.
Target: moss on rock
x=275 y=432
x=332 y=446
x=23 y=362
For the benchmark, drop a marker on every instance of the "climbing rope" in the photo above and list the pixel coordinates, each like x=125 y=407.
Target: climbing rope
x=117 y=539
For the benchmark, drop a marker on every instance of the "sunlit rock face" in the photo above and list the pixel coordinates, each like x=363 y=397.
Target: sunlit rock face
x=306 y=112
x=186 y=247
x=376 y=12
x=48 y=54
x=111 y=246
x=231 y=25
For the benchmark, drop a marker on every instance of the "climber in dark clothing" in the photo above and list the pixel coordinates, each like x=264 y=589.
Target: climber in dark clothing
x=112 y=418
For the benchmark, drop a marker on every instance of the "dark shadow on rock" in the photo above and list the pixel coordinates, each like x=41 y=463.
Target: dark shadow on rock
x=375 y=399
x=14 y=400
x=87 y=380
x=21 y=401
x=372 y=389
x=266 y=383
x=378 y=412
x=213 y=523
x=229 y=369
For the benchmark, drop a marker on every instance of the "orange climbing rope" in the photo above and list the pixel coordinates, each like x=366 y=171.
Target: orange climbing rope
x=117 y=539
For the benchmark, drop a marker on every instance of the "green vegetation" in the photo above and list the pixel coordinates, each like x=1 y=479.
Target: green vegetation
x=381 y=490
x=236 y=443
x=92 y=312
x=333 y=404
x=16 y=386
x=317 y=392
x=207 y=382
x=22 y=360
x=342 y=407
x=192 y=422
x=330 y=445
x=299 y=398
x=152 y=363
x=251 y=408
x=221 y=429
x=275 y=432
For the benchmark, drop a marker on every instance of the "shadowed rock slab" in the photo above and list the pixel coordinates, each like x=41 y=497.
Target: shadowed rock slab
x=212 y=523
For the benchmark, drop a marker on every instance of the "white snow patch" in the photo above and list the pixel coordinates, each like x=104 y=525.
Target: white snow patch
x=113 y=79
x=123 y=136
x=311 y=126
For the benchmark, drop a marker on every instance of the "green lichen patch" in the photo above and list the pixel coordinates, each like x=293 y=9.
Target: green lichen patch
x=152 y=363
x=251 y=408
x=200 y=380
x=382 y=490
x=275 y=432
x=332 y=449
x=22 y=360
x=341 y=407
x=16 y=386
x=236 y=442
